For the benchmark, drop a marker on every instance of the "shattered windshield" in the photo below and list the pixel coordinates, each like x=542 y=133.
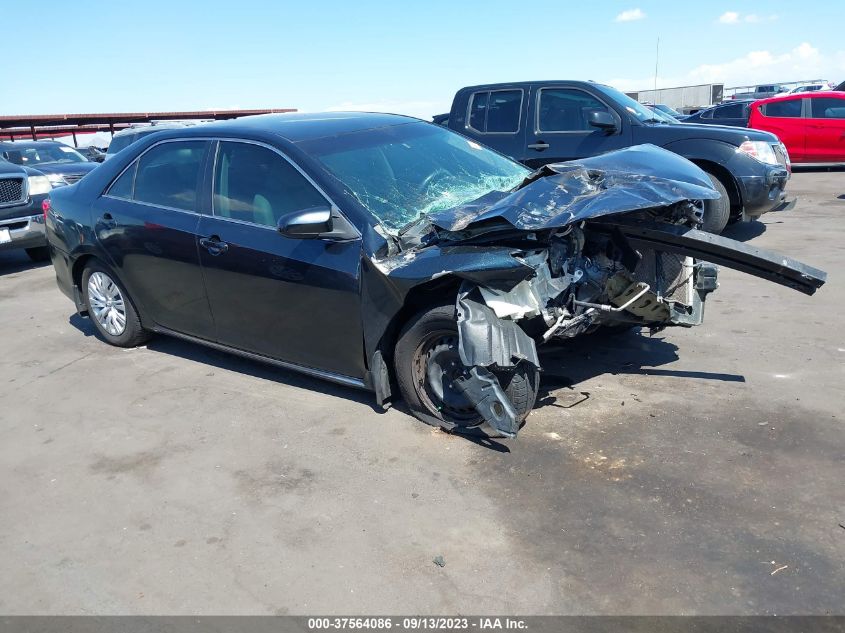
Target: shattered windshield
x=403 y=172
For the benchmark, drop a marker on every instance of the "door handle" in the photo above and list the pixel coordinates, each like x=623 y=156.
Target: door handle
x=539 y=146
x=108 y=220
x=214 y=245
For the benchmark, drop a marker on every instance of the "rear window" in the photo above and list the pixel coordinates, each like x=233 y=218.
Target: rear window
x=495 y=111
x=828 y=108
x=167 y=175
x=119 y=142
x=790 y=108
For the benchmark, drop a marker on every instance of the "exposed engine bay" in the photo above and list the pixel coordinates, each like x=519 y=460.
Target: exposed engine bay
x=610 y=241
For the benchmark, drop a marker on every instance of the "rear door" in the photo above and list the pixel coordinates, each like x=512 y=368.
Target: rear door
x=295 y=300
x=147 y=222
x=783 y=117
x=559 y=128
x=826 y=129
x=497 y=119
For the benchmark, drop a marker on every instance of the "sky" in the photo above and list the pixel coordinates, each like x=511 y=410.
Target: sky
x=406 y=57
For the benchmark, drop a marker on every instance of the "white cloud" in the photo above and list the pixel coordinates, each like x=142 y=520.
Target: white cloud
x=732 y=17
x=804 y=61
x=630 y=15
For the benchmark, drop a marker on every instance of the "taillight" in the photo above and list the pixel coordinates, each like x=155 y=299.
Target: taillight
x=45 y=207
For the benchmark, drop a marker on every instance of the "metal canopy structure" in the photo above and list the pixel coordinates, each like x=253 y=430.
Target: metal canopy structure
x=35 y=126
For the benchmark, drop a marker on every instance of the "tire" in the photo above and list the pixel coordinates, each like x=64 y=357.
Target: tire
x=104 y=294
x=717 y=212
x=39 y=253
x=429 y=342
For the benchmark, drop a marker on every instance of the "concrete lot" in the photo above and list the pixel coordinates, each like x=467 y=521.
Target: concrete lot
x=696 y=471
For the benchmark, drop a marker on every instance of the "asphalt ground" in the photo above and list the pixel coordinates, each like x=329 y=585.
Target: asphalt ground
x=691 y=472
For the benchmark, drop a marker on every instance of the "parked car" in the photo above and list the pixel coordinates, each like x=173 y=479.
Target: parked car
x=383 y=252
x=733 y=113
x=125 y=138
x=811 y=125
x=92 y=153
x=840 y=87
x=538 y=123
x=809 y=88
x=62 y=164
x=760 y=92
x=662 y=107
x=23 y=192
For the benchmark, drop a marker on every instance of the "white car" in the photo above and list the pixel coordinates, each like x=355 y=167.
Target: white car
x=805 y=88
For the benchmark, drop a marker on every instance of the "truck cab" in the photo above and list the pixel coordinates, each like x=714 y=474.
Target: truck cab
x=544 y=122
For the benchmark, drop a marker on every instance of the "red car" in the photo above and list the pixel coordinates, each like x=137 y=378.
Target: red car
x=811 y=125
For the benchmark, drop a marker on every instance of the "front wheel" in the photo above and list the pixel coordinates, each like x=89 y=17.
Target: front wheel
x=110 y=308
x=716 y=212
x=427 y=362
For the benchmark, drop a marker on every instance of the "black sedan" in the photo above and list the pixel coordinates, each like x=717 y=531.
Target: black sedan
x=383 y=252
x=733 y=113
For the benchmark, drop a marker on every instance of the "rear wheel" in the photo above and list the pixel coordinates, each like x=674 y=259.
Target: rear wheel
x=717 y=212
x=38 y=253
x=427 y=362
x=110 y=308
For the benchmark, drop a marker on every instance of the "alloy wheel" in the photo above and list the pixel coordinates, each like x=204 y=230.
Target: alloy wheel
x=106 y=303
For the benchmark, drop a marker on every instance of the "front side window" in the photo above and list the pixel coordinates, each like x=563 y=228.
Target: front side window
x=567 y=110
x=168 y=175
x=732 y=111
x=255 y=184
x=495 y=111
x=786 y=108
x=828 y=108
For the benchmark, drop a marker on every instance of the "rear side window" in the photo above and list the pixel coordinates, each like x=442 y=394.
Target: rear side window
x=567 y=110
x=732 y=111
x=785 y=108
x=255 y=184
x=495 y=111
x=122 y=187
x=168 y=175
x=828 y=108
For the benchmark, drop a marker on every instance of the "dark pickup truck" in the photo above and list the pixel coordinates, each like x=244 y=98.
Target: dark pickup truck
x=22 y=194
x=544 y=122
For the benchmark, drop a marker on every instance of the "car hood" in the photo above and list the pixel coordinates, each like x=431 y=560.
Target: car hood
x=726 y=133
x=631 y=179
x=66 y=168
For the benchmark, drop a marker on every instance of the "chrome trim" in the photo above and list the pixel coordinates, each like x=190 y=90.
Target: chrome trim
x=151 y=205
x=341 y=379
x=537 y=129
x=489 y=92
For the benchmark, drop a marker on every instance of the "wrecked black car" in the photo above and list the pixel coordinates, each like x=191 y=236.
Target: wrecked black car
x=382 y=252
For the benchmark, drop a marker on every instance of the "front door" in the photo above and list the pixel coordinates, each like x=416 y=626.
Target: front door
x=147 y=222
x=561 y=130
x=295 y=300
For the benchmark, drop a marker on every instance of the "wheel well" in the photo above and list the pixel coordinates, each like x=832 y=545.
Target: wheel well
x=727 y=180
x=432 y=293
x=78 y=268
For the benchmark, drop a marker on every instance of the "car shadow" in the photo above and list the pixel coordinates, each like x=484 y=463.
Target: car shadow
x=744 y=231
x=16 y=261
x=232 y=362
x=567 y=364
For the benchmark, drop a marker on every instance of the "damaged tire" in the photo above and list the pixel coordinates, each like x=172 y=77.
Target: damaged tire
x=427 y=361
x=716 y=212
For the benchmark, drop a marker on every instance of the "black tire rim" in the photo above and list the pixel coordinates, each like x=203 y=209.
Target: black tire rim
x=436 y=365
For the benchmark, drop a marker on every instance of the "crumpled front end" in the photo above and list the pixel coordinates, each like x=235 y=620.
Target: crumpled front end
x=578 y=247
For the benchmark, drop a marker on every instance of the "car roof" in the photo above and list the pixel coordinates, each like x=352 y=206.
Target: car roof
x=298 y=127
x=20 y=144
x=526 y=84
x=820 y=94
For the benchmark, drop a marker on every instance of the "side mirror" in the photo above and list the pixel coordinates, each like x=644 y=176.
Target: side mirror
x=307 y=223
x=603 y=120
